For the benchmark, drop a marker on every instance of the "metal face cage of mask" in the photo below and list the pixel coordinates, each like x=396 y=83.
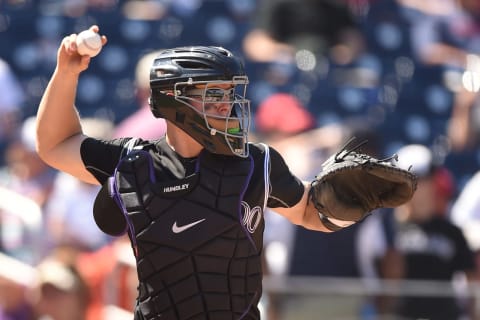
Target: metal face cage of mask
x=223 y=134
x=209 y=95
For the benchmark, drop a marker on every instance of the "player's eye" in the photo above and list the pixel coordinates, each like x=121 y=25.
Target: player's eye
x=218 y=94
x=211 y=95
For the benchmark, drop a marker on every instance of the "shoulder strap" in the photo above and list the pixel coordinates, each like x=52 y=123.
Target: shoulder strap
x=133 y=145
x=266 y=174
x=130 y=146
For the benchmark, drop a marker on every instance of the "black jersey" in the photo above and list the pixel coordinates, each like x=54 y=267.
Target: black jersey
x=101 y=158
x=214 y=271
x=433 y=250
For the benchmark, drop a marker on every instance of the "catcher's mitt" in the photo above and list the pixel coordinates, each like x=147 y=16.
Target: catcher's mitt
x=352 y=184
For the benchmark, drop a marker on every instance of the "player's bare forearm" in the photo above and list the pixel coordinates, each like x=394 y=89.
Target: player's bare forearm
x=303 y=213
x=59 y=132
x=310 y=218
x=57 y=118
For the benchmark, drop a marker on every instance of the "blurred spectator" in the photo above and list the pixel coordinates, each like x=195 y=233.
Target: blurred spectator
x=68 y=211
x=325 y=27
x=278 y=118
x=309 y=250
x=141 y=123
x=286 y=125
x=283 y=122
x=26 y=183
x=68 y=215
x=111 y=276
x=24 y=171
x=79 y=8
x=464 y=123
x=465 y=214
x=445 y=35
x=21 y=227
x=16 y=279
x=11 y=99
x=416 y=242
x=61 y=292
x=446 y=188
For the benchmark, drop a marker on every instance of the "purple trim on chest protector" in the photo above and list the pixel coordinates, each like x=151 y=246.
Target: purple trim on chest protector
x=116 y=194
x=242 y=195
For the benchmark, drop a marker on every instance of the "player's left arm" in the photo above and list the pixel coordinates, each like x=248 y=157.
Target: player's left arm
x=289 y=196
x=348 y=188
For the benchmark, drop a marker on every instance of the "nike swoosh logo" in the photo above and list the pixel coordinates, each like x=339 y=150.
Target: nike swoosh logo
x=177 y=229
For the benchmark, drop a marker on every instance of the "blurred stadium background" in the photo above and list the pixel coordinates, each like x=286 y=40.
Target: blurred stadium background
x=385 y=86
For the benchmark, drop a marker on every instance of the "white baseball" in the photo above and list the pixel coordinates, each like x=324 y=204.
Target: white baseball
x=89 y=43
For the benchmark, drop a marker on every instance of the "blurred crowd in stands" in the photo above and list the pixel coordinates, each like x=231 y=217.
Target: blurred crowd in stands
x=404 y=74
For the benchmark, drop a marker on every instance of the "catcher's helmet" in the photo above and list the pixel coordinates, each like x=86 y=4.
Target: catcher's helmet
x=183 y=75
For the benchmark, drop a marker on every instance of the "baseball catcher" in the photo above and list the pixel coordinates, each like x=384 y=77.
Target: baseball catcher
x=352 y=184
x=192 y=201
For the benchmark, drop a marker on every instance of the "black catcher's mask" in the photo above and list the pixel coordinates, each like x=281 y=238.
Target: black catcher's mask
x=185 y=82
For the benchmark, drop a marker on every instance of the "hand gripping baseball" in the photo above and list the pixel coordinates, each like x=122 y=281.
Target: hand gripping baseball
x=88 y=43
x=352 y=184
x=76 y=51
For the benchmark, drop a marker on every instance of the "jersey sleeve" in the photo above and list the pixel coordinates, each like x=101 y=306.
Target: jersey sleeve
x=286 y=189
x=464 y=259
x=101 y=157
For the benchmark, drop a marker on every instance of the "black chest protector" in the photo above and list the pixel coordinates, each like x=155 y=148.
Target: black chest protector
x=195 y=257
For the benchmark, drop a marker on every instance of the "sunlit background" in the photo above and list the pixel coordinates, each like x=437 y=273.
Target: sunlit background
x=374 y=75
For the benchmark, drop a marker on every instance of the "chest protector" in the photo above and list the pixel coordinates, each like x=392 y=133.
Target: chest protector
x=195 y=259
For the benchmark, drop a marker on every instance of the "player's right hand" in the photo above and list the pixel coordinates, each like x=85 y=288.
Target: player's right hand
x=68 y=59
